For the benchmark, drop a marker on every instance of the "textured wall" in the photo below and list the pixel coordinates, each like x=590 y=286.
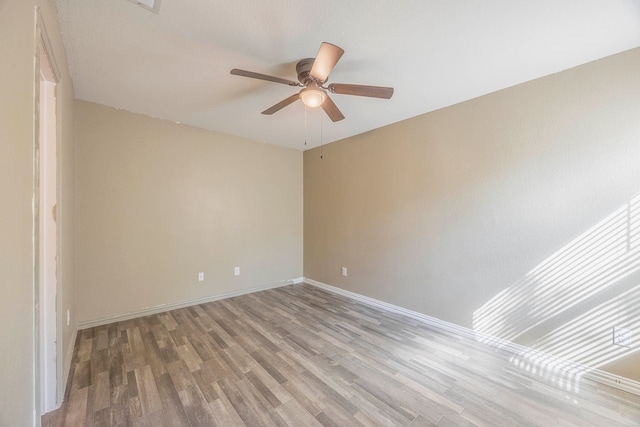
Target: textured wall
x=16 y=186
x=158 y=202
x=484 y=213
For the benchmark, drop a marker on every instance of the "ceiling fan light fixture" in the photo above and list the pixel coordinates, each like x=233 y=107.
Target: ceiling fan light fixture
x=313 y=96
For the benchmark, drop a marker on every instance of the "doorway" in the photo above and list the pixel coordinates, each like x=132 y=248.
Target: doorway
x=47 y=232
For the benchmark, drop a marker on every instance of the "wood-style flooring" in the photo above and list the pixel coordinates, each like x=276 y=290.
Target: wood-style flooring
x=300 y=356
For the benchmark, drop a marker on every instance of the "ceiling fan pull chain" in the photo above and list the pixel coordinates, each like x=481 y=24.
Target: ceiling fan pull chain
x=321 y=156
x=306 y=131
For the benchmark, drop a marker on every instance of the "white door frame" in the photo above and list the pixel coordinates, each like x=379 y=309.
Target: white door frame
x=47 y=327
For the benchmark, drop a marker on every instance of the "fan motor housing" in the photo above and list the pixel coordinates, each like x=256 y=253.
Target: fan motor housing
x=303 y=68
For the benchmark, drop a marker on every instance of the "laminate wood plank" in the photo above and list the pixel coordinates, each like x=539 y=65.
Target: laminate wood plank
x=168 y=321
x=204 y=321
x=171 y=404
x=227 y=326
x=238 y=359
x=85 y=335
x=89 y=412
x=261 y=406
x=49 y=419
x=295 y=415
x=412 y=387
x=189 y=356
x=193 y=401
x=306 y=395
x=252 y=340
x=101 y=340
x=132 y=385
x=384 y=398
x=120 y=408
x=135 y=408
x=220 y=342
x=101 y=417
x=82 y=375
x=371 y=412
x=203 y=346
x=152 y=354
x=117 y=374
x=154 y=419
x=136 y=344
x=454 y=421
x=223 y=410
x=166 y=346
x=77 y=411
x=231 y=369
x=184 y=329
x=291 y=368
x=133 y=351
x=298 y=355
x=240 y=402
x=204 y=379
x=265 y=391
x=102 y=391
x=147 y=390
x=274 y=387
x=270 y=364
x=336 y=415
x=337 y=397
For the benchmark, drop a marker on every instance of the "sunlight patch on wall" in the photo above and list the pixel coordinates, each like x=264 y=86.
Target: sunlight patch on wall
x=588 y=339
x=568 y=305
x=583 y=344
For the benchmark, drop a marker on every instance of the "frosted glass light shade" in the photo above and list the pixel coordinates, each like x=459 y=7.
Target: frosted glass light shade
x=312 y=96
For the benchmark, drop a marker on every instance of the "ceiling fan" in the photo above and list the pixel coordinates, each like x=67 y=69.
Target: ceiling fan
x=313 y=73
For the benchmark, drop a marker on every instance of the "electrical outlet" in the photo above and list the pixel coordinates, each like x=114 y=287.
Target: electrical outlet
x=68 y=317
x=201 y=277
x=236 y=271
x=344 y=271
x=622 y=336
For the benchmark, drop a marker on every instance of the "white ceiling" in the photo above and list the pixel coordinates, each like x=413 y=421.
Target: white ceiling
x=175 y=64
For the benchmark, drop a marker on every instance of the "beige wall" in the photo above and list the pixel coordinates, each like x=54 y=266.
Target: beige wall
x=17 y=85
x=158 y=202
x=470 y=214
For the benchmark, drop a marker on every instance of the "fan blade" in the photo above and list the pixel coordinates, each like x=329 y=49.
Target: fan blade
x=280 y=105
x=332 y=110
x=251 y=74
x=361 y=90
x=326 y=59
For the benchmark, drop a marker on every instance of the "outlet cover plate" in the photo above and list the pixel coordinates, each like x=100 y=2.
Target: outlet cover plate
x=622 y=336
x=201 y=277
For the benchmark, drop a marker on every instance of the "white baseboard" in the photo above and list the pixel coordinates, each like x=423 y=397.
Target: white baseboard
x=573 y=371
x=182 y=304
x=543 y=361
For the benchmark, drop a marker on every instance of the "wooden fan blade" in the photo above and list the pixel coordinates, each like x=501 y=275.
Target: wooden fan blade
x=251 y=74
x=361 y=90
x=332 y=110
x=326 y=59
x=280 y=105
